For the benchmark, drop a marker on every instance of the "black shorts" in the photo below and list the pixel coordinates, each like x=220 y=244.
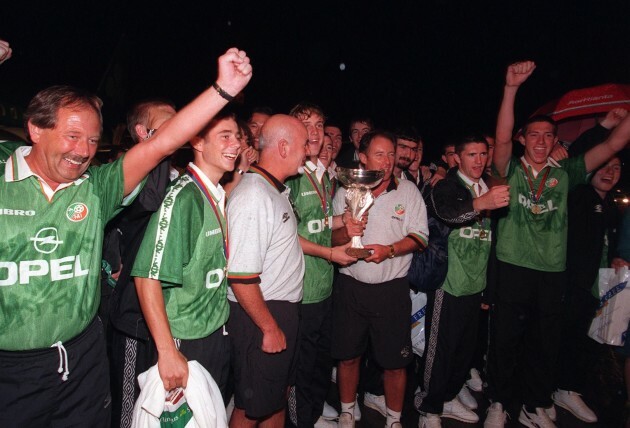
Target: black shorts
x=34 y=394
x=213 y=353
x=261 y=379
x=379 y=313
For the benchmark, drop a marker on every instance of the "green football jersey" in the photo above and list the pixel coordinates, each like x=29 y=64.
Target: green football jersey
x=315 y=222
x=50 y=257
x=468 y=253
x=534 y=233
x=183 y=249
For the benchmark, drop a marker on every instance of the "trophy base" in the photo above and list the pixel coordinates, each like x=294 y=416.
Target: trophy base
x=359 y=253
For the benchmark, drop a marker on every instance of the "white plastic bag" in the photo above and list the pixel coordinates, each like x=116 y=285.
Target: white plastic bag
x=612 y=317
x=418 y=311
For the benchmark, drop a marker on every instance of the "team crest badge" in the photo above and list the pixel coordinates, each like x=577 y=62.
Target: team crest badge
x=399 y=209
x=551 y=183
x=77 y=212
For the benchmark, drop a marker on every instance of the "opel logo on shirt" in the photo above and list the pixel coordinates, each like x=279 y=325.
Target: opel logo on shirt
x=47 y=240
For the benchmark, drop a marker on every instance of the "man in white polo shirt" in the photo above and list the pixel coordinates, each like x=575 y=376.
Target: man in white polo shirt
x=371 y=297
x=265 y=273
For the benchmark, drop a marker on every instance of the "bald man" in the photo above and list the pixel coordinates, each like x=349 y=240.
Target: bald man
x=265 y=273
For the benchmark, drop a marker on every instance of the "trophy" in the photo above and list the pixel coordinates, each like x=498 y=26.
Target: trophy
x=358 y=183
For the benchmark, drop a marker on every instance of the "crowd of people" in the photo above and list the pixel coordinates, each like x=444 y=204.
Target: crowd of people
x=245 y=262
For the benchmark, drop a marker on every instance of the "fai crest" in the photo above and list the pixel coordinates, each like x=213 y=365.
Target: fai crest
x=77 y=211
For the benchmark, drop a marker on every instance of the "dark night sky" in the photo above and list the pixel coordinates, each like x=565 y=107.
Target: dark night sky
x=438 y=65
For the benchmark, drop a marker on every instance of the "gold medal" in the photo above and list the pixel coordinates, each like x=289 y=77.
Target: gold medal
x=483 y=234
x=326 y=222
x=536 y=209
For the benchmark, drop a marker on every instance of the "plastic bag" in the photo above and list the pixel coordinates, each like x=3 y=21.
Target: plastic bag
x=176 y=412
x=611 y=319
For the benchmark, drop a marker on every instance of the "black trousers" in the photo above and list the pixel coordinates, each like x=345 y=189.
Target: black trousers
x=34 y=394
x=314 y=363
x=129 y=357
x=450 y=337
x=525 y=329
x=578 y=353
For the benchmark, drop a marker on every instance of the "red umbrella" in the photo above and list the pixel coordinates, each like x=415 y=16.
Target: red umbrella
x=577 y=110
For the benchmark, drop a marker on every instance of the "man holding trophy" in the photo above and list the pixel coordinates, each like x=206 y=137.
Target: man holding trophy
x=371 y=297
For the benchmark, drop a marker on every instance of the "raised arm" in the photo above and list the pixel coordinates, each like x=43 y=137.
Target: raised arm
x=234 y=73
x=617 y=140
x=5 y=51
x=517 y=73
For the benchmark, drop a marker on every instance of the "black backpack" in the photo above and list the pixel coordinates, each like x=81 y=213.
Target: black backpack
x=428 y=268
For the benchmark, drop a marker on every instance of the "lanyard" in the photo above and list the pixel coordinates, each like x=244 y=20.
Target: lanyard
x=530 y=183
x=322 y=194
x=220 y=219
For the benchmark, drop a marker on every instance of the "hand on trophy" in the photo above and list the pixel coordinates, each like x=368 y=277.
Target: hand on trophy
x=359 y=199
x=378 y=253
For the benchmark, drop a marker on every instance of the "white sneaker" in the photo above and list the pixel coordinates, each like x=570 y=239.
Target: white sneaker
x=357 y=409
x=346 y=420
x=454 y=409
x=551 y=412
x=376 y=402
x=323 y=423
x=329 y=413
x=466 y=398
x=539 y=419
x=496 y=417
x=429 y=420
x=475 y=383
x=573 y=403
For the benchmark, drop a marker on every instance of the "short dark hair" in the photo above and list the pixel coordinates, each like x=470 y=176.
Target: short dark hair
x=539 y=118
x=448 y=143
x=261 y=110
x=43 y=108
x=245 y=132
x=139 y=114
x=361 y=119
x=367 y=139
x=469 y=139
x=223 y=114
x=306 y=109
x=409 y=133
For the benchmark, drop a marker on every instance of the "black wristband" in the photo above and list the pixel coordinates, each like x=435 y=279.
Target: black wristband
x=221 y=92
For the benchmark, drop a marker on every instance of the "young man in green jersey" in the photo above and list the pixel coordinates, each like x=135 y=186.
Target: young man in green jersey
x=312 y=192
x=180 y=267
x=531 y=253
x=462 y=201
x=52 y=352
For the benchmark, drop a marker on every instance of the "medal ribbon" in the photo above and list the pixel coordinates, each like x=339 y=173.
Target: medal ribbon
x=530 y=183
x=322 y=195
x=220 y=218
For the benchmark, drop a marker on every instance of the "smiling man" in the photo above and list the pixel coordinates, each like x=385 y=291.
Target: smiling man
x=52 y=351
x=371 y=297
x=312 y=192
x=531 y=253
x=180 y=267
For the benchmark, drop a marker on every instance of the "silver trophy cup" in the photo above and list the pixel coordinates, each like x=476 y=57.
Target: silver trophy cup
x=359 y=199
